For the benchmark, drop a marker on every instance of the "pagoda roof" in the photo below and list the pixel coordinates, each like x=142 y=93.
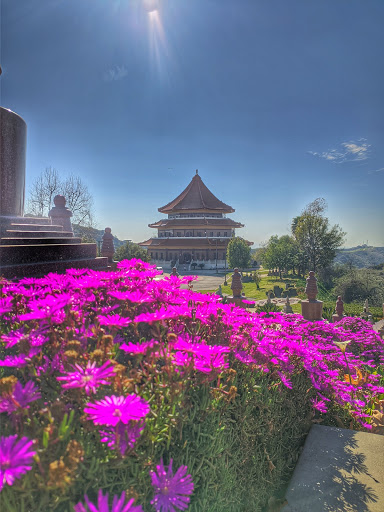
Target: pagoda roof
x=196 y=197
x=204 y=222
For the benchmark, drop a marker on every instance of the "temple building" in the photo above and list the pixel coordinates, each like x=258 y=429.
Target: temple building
x=196 y=229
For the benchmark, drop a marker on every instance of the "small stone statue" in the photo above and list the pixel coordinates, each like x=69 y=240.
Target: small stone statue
x=60 y=214
x=339 y=306
x=311 y=288
x=236 y=285
x=287 y=308
x=174 y=272
x=366 y=308
x=107 y=247
x=220 y=291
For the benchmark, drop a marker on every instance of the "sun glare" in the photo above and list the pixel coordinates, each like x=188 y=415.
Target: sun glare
x=151 y=5
x=157 y=40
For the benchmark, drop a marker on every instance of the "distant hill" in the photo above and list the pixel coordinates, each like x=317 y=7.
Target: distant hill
x=361 y=256
x=93 y=234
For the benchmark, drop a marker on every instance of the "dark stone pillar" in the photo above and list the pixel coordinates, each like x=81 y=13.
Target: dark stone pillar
x=13 y=138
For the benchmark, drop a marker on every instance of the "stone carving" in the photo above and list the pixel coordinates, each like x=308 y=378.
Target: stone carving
x=107 y=247
x=339 y=315
x=287 y=308
x=339 y=306
x=220 y=291
x=236 y=285
x=60 y=214
x=174 y=272
x=311 y=287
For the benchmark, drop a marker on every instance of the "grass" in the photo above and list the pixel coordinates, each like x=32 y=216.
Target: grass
x=268 y=282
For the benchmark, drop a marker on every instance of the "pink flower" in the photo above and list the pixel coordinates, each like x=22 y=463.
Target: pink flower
x=118 y=504
x=116 y=321
x=19 y=398
x=89 y=378
x=122 y=437
x=172 y=491
x=114 y=409
x=15 y=458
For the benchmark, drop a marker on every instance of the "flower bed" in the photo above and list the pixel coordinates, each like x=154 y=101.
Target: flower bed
x=119 y=388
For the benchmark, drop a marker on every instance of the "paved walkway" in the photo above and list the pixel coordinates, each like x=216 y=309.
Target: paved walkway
x=339 y=470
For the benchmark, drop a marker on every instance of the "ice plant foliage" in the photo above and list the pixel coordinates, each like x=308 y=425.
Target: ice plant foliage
x=172 y=491
x=141 y=346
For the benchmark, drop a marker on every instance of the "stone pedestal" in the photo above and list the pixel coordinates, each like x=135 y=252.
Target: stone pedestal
x=337 y=318
x=13 y=139
x=107 y=247
x=312 y=310
x=238 y=301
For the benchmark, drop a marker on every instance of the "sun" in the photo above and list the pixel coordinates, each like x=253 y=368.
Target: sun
x=151 y=5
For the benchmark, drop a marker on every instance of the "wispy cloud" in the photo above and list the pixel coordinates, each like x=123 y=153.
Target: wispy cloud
x=350 y=151
x=115 y=73
x=376 y=170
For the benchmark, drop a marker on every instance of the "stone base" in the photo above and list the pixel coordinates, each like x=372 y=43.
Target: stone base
x=337 y=318
x=238 y=301
x=312 y=310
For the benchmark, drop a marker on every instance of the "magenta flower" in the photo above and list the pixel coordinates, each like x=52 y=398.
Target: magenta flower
x=122 y=437
x=171 y=490
x=116 y=321
x=19 y=398
x=15 y=458
x=89 y=378
x=118 y=504
x=138 y=348
x=114 y=409
x=14 y=361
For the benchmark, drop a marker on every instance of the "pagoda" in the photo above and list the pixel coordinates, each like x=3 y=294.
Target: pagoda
x=196 y=230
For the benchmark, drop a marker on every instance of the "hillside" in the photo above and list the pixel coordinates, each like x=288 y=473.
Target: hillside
x=361 y=256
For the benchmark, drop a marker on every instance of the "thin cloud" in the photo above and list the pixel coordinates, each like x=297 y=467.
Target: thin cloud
x=350 y=151
x=115 y=73
x=376 y=170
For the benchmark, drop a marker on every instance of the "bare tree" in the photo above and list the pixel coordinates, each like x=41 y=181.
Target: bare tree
x=75 y=191
x=42 y=192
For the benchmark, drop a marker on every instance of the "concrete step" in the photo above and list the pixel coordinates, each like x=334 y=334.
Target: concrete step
x=339 y=470
x=34 y=241
x=16 y=233
x=35 y=227
x=18 y=254
x=25 y=220
x=42 y=268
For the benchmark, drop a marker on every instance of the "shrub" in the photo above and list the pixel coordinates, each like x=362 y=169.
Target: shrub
x=107 y=373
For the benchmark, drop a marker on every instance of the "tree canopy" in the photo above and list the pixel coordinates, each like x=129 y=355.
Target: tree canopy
x=129 y=251
x=280 y=253
x=238 y=253
x=315 y=238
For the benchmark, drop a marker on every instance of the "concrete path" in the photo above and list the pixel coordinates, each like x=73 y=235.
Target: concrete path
x=339 y=471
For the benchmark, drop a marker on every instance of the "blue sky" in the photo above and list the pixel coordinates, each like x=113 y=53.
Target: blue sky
x=276 y=102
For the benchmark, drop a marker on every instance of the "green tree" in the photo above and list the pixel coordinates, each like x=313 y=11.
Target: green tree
x=238 y=253
x=280 y=252
x=129 y=251
x=316 y=239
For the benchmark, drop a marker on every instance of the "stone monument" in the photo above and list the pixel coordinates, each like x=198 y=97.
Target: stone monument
x=339 y=315
x=311 y=309
x=60 y=214
x=31 y=246
x=174 y=272
x=107 y=247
